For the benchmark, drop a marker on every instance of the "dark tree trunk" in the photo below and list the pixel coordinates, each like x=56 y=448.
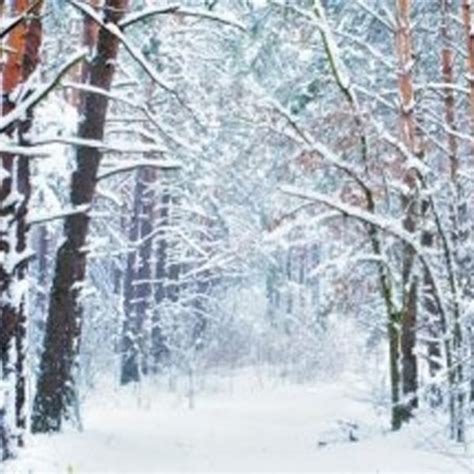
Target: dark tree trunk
x=24 y=188
x=158 y=341
x=31 y=56
x=137 y=291
x=11 y=79
x=408 y=338
x=173 y=267
x=25 y=41
x=42 y=261
x=7 y=312
x=55 y=389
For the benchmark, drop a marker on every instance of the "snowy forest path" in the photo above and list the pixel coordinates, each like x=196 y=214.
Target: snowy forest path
x=282 y=428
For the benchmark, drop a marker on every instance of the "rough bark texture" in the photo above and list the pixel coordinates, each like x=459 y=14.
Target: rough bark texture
x=410 y=202
x=447 y=72
x=469 y=41
x=30 y=61
x=145 y=280
x=436 y=325
x=56 y=390
x=393 y=314
x=468 y=264
x=138 y=287
x=11 y=78
x=24 y=42
x=158 y=341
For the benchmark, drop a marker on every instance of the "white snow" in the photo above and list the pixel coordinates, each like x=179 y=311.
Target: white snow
x=251 y=425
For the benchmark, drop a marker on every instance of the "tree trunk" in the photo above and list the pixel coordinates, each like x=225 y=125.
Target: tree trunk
x=158 y=341
x=31 y=57
x=56 y=388
x=11 y=78
x=467 y=263
x=439 y=329
x=137 y=291
x=410 y=202
x=24 y=43
x=469 y=42
x=393 y=314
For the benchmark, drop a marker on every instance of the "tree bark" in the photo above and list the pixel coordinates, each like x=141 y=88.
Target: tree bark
x=11 y=78
x=410 y=203
x=158 y=341
x=56 y=386
x=466 y=8
x=24 y=43
x=138 y=286
x=393 y=313
x=467 y=264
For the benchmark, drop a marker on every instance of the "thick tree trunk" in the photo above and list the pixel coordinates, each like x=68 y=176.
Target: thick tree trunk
x=11 y=78
x=24 y=43
x=56 y=388
x=21 y=341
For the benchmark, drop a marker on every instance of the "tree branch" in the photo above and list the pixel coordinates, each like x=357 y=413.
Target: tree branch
x=134 y=18
x=39 y=94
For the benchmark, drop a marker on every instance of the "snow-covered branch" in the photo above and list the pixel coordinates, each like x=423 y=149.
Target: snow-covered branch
x=139 y=164
x=40 y=93
x=178 y=9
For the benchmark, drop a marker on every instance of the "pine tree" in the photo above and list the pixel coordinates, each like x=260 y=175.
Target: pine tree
x=55 y=395
x=24 y=43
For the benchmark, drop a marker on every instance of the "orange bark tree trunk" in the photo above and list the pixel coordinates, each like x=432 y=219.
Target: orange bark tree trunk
x=469 y=42
x=23 y=46
x=410 y=202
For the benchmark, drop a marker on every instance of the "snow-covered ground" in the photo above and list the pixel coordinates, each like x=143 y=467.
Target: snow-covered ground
x=250 y=426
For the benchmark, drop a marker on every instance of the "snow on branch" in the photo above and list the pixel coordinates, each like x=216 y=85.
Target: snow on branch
x=116 y=147
x=139 y=58
x=390 y=24
x=36 y=149
x=322 y=150
x=319 y=20
x=42 y=218
x=114 y=29
x=337 y=66
x=26 y=151
x=386 y=225
x=39 y=94
x=17 y=20
x=132 y=166
x=141 y=107
x=135 y=53
x=133 y=18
